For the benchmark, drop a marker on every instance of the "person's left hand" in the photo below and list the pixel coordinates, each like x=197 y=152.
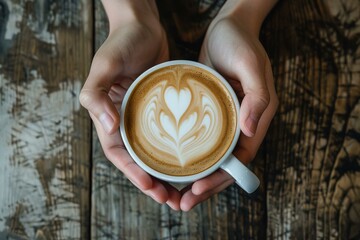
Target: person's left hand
x=136 y=42
x=234 y=50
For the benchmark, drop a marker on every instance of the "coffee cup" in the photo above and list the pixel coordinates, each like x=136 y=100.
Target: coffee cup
x=180 y=123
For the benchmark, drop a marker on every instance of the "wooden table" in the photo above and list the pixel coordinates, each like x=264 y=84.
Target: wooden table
x=55 y=182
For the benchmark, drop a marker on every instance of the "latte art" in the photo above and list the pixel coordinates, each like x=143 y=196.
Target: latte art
x=180 y=120
x=173 y=121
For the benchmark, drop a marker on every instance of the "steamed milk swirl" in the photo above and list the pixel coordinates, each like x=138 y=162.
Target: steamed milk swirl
x=178 y=120
x=174 y=122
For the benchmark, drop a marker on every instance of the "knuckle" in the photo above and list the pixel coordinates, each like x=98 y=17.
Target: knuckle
x=84 y=98
x=264 y=97
x=87 y=98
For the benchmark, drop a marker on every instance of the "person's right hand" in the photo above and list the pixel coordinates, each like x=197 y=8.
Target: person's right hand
x=136 y=42
x=232 y=47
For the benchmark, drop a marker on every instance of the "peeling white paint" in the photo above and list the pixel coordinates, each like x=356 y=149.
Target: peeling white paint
x=32 y=121
x=15 y=16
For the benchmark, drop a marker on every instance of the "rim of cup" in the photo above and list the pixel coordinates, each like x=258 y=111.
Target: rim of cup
x=183 y=178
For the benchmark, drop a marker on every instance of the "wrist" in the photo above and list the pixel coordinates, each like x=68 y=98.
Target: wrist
x=121 y=12
x=250 y=14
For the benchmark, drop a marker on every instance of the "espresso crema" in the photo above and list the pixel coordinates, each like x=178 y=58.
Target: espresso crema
x=180 y=120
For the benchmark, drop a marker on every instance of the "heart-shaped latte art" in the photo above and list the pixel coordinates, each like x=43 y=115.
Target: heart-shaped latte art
x=182 y=122
x=177 y=102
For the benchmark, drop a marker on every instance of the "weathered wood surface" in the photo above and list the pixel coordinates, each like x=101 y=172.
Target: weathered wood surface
x=45 y=51
x=309 y=165
x=313 y=148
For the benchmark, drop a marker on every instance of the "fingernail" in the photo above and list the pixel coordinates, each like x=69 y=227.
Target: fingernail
x=107 y=122
x=196 y=190
x=251 y=124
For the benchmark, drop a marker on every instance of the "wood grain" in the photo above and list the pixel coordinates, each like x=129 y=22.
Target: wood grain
x=309 y=164
x=44 y=172
x=313 y=187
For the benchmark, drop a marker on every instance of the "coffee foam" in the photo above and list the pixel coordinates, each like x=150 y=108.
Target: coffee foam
x=177 y=120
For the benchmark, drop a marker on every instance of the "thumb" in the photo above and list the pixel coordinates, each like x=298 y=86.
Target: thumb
x=253 y=106
x=101 y=106
x=94 y=95
x=256 y=96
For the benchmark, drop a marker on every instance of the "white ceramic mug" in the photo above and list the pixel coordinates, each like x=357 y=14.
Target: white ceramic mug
x=246 y=179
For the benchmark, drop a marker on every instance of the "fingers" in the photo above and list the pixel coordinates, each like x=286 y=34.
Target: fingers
x=204 y=189
x=174 y=197
x=206 y=184
x=115 y=151
x=158 y=192
x=189 y=200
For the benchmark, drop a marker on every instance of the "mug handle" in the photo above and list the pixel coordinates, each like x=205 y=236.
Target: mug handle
x=245 y=178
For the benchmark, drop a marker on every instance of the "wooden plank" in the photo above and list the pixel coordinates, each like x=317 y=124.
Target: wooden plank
x=45 y=50
x=313 y=167
x=121 y=211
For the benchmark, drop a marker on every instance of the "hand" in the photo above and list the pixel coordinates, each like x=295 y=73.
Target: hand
x=134 y=44
x=234 y=50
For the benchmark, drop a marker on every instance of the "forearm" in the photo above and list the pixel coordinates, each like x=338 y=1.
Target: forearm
x=123 y=11
x=248 y=12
